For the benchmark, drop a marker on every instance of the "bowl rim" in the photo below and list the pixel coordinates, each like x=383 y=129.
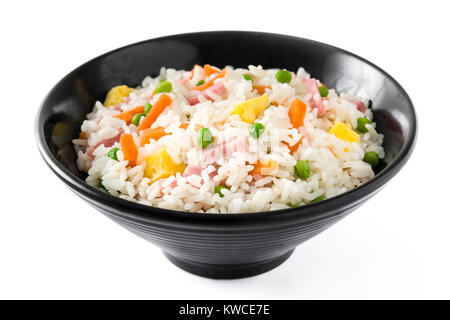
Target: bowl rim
x=306 y=213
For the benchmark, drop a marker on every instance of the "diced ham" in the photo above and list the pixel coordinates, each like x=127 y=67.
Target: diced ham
x=218 y=89
x=161 y=185
x=184 y=81
x=316 y=98
x=189 y=171
x=106 y=142
x=117 y=107
x=225 y=149
x=360 y=106
x=192 y=170
x=196 y=170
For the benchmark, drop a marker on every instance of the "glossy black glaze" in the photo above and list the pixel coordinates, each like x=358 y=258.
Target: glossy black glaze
x=225 y=245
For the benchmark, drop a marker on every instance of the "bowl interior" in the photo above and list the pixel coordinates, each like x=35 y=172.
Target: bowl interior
x=67 y=104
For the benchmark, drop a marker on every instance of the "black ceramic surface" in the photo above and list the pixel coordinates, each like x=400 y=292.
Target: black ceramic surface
x=225 y=245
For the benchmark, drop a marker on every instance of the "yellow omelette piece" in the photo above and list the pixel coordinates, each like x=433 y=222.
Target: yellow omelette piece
x=343 y=132
x=250 y=109
x=116 y=95
x=160 y=165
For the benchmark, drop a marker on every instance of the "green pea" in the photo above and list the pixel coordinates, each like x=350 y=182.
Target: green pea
x=302 y=169
x=320 y=198
x=204 y=137
x=113 y=153
x=256 y=130
x=200 y=82
x=219 y=189
x=136 y=118
x=371 y=158
x=148 y=106
x=362 y=124
x=247 y=77
x=163 y=86
x=283 y=76
x=101 y=186
x=323 y=91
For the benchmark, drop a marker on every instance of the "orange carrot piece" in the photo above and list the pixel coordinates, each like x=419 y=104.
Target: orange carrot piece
x=163 y=102
x=184 y=125
x=208 y=70
x=193 y=69
x=208 y=84
x=82 y=136
x=260 y=89
x=294 y=147
x=129 y=148
x=297 y=112
x=155 y=134
x=127 y=116
x=264 y=168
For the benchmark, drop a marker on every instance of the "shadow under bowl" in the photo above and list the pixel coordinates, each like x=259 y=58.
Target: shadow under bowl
x=223 y=245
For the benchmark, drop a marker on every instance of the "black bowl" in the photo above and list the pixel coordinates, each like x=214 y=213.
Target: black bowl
x=223 y=245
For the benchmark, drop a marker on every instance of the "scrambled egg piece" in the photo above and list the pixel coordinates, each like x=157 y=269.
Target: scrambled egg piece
x=160 y=165
x=250 y=109
x=344 y=132
x=116 y=95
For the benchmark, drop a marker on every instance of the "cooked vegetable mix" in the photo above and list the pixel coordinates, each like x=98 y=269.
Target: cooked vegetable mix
x=372 y=158
x=113 y=153
x=323 y=91
x=362 y=124
x=163 y=86
x=256 y=130
x=148 y=106
x=321 y=198
x=204 y=137
x=283 y=76
x=302 y=169
x=219 y=189
x=225 y=140
x=137 y=118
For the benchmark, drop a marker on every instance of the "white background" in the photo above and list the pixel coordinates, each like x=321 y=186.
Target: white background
x=53 y=245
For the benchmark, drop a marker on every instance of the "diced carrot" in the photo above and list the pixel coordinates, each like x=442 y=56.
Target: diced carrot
x=193 y=70
x=323 y=85
x=127 y=116
x=264 y=168
x=274 y=103
x=260 y=89
x=184 y=125
x=294 y=147
x=150 y=133
x=208 y=84
x=129 y=148
x=82 y=136
x=208 y=70
x=158 y=133
x=163 y=102
x=297 y=112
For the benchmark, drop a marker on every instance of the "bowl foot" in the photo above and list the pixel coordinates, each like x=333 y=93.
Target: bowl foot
x=228 y=271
